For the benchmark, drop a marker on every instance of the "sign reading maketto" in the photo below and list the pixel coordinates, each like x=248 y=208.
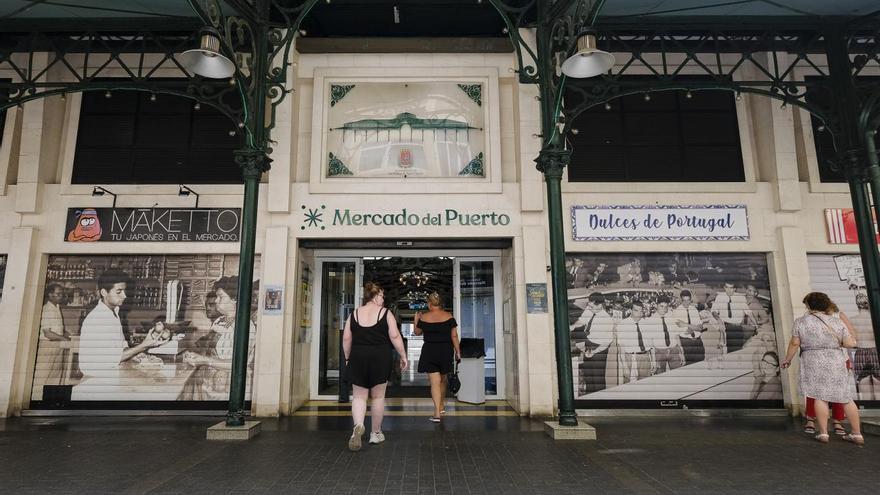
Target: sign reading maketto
x=153 y=225
x=660 y=223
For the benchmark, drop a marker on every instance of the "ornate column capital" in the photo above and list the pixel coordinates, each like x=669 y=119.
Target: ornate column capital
x=253 y=162
x=854 y=166
x=552 y=162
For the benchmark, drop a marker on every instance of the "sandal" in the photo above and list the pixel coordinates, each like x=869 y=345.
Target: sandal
x=839 y=430
x=810 y=427
x=854 y=438
x=434 y=419
x=822 y=437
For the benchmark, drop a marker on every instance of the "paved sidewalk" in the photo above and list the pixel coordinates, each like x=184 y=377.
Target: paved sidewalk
x=498 y=455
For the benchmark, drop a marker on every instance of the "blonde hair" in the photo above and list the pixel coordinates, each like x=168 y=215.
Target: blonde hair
x=371 y=290
x=434 y=300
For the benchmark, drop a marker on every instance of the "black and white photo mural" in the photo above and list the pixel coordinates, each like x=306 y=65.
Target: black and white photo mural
x=842 y=278
x=672 y=329
x=130 y=330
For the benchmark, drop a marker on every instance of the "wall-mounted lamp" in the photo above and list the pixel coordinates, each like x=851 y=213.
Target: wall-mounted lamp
x=100 y=191
x=185 y=191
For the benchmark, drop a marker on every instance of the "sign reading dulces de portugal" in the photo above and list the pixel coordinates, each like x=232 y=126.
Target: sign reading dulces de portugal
x=660 y=223
x=153 y=225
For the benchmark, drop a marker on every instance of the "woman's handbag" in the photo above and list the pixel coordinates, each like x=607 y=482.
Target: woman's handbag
x=849 y=364
x=452 y=380
x=346 y=372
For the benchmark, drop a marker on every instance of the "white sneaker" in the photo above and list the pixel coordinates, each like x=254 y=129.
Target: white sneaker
x=354 y=443
x=377 y=437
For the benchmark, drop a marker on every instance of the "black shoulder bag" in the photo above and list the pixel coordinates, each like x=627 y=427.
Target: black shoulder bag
x=452 y=381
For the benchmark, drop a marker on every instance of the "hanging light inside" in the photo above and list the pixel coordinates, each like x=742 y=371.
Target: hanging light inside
x=739 y=96
x=206 y=60
x=587 y=61
x=647 y=97
x=689 y=95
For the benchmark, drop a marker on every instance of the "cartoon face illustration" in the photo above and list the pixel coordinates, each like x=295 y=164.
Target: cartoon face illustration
x=88 y=227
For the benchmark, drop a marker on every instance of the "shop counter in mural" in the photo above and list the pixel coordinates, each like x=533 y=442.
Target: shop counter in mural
x=672 y=328
x=842 y=278
x=138 y=328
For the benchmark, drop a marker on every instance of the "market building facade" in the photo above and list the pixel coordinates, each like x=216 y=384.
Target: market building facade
x=695 y=219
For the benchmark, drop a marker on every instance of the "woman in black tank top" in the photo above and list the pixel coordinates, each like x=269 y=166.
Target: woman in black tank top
x=370 y=332
x=440 y=349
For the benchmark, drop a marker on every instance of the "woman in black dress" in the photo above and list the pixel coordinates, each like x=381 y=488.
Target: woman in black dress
x=369 y=333
x=440 y=348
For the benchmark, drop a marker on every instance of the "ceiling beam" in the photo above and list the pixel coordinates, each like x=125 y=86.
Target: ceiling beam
x=404 y=45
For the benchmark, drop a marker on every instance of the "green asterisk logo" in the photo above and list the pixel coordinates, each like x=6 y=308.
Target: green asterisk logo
x=313 y=217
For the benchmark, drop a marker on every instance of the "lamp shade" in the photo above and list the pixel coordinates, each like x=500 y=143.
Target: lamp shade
x=588 y=61
x=206 y=60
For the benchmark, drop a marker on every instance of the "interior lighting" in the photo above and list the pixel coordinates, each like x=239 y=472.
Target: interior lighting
x=608 y=106
x=739 y=96
x=587 y=61
x=206 y=60
x=688 y=95
x=108 y=94
x=647 y=96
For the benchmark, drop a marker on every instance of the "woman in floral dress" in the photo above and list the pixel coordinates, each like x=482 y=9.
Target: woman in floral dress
x=822 y=340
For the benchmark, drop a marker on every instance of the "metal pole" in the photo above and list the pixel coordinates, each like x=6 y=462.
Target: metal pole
x=867 y=245
x=252 y=169
x=253 y=161
x=858 y=173
x=551 y=162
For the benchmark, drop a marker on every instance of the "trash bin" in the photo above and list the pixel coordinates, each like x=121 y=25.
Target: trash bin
x=472 y=371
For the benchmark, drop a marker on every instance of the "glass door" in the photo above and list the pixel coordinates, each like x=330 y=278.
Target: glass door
x=337 y=298
x=407 y=282
x=479 y=314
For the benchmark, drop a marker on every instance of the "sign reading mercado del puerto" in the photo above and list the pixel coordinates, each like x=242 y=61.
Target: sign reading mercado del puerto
x=153 y=225
x=660 y=223
x=322 y=217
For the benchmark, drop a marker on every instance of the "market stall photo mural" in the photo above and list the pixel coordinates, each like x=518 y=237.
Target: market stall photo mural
x=842 y=278
x=138 y=330
x=672 y=330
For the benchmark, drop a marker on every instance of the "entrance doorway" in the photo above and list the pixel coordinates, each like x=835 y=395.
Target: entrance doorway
x=467 y=282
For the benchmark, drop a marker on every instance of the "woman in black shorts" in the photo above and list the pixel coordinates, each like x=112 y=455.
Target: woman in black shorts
x=440 y=348
x=369 y=333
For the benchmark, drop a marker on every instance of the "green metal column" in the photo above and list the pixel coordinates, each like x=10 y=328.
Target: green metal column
x=253 y=161
x=850 y=142
x=253 y=164
x=552 y=161
x=867 y=244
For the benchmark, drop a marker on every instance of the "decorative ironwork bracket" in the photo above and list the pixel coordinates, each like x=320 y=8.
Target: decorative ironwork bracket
x=144 y=60
x=787 y=64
